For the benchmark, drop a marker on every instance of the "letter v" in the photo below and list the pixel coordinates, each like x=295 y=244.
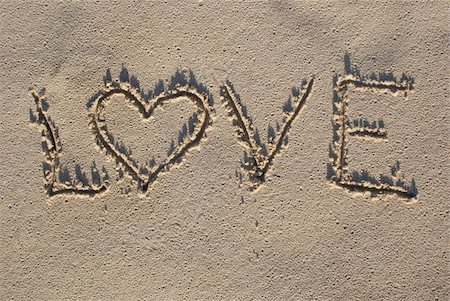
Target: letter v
x=260 y=160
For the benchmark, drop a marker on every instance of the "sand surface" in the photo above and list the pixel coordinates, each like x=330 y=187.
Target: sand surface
x=212 y=150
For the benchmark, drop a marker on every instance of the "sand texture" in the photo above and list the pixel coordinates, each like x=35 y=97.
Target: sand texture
x=224 y=150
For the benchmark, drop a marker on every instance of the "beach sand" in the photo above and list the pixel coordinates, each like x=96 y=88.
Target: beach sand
x=224 y=150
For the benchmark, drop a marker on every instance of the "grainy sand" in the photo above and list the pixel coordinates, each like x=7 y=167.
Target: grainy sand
x=218 y=150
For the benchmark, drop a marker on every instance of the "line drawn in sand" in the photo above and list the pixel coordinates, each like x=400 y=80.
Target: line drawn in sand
x=257 y=158
x=181 y=88
x=338 y=171
x=58 y=180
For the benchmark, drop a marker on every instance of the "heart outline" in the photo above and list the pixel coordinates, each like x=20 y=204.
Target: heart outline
x=146 y=108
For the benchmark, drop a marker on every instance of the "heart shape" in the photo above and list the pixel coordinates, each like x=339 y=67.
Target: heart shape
x=146 y=108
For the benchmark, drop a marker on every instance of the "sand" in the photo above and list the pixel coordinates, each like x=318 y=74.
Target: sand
x=217 y=150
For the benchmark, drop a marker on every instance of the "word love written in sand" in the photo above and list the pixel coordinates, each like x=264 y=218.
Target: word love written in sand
x=258 y=157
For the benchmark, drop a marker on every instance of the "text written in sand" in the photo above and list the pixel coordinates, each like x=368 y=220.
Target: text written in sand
x=258 y=156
